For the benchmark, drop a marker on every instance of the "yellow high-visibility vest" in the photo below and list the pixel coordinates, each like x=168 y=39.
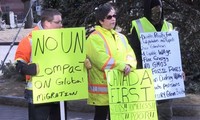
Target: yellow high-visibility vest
x=143 y=25
x=106 y=50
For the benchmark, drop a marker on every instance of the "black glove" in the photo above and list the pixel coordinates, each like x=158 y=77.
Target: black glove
x=26 y=69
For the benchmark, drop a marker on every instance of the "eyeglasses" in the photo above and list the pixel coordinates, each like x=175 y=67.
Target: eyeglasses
x=110 y=17
x=57 y=22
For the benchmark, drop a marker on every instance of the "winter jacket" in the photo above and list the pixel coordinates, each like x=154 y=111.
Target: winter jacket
x=23 y=52
x=106 y=50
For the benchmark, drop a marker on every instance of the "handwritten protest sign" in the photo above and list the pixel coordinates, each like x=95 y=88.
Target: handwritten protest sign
x=161 y=53
x=60 y=55
x=131 y=97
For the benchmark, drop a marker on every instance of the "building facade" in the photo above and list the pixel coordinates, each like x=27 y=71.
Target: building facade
x=15 y=6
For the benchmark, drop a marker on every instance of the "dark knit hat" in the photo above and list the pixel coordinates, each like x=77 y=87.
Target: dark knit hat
x=155 y=3
x=148 y=5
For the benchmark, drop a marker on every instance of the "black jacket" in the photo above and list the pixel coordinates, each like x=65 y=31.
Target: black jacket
x=133 y=37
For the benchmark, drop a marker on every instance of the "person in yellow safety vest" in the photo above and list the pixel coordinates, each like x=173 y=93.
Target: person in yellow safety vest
x=152 y=21
x=106 y=49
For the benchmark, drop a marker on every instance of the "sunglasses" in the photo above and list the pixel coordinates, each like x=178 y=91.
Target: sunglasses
x=110 y=17
x=57 y=22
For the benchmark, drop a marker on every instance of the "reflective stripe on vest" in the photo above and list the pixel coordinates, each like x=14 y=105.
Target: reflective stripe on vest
x=98 y=89
x=123 y=40
x=110 y=62
x=138 y=22
x=29 y=85
x=141 y=29
x=169 y=26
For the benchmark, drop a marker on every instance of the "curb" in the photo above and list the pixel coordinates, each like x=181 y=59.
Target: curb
x=186 y=110
x=13 y=100
x=76 y=105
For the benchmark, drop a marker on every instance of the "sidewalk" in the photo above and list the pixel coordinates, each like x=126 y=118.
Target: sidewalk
x=20 y=113
x=15 y=108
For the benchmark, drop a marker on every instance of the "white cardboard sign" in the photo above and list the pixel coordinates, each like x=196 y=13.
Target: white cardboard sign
x=161 y=53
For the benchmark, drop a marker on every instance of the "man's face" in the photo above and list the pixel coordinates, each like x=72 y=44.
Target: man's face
x=55 y=23
x=156 y=14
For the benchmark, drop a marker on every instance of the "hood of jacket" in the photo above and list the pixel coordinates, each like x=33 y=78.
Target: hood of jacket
x=148 y=4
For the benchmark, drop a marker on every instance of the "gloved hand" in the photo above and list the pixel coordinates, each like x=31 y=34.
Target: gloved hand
x=127 y=69
x=87 y=63
x=26 y=69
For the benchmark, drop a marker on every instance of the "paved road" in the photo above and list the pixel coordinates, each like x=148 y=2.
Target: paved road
x=20 y=113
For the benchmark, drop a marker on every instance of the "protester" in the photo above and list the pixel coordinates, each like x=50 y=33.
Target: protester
x=106 y=49
x=50 y=19
x=152 y=21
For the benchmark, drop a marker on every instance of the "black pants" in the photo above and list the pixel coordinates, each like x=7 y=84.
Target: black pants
x=101 y=113
x=50 y=111
x=44 y=111
x=164 y=108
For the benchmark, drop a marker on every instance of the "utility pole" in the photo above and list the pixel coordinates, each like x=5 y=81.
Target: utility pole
x=29 y=19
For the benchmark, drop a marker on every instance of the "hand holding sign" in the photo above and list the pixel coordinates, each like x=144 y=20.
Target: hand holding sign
x=131 y=97
x=127 y=70
x=60 y=54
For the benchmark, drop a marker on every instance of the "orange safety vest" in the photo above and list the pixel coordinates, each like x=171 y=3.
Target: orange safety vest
x=23 y=52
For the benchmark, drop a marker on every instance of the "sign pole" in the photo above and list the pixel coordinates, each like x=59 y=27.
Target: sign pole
x=62 y=110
